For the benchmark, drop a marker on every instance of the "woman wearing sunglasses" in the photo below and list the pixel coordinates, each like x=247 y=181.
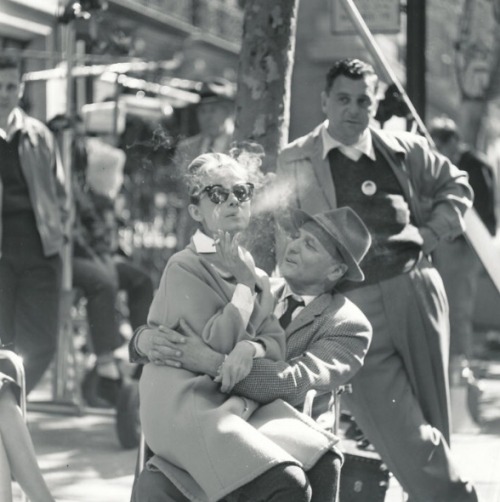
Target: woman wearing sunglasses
x=209 y=444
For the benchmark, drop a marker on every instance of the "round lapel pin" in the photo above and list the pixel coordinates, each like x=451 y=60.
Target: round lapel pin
x=369 y=187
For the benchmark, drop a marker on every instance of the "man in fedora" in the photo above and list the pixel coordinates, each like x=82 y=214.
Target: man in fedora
x=327 y=335
x=215 y=117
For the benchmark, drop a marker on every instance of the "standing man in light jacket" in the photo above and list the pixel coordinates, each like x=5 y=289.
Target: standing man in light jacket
x=33 y=205
x=410 y=198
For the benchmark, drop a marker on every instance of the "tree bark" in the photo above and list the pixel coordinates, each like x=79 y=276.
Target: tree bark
x=263 y=99
x=264 y=75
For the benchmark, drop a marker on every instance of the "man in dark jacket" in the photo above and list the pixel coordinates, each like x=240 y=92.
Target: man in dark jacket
x=33 y=208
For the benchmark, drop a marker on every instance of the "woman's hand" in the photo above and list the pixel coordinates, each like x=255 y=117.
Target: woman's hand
x=231 y=256
x=236 y=366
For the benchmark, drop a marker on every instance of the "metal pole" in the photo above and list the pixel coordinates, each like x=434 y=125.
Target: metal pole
x=387 y=74
x=65 y=338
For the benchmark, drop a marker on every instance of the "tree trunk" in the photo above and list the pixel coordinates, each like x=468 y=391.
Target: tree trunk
x=264 y=75
x=263 y=98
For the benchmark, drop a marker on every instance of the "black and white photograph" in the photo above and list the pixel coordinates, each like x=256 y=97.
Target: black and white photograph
x=249 y=251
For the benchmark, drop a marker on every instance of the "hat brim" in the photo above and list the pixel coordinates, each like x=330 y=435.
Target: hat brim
x=354 y=272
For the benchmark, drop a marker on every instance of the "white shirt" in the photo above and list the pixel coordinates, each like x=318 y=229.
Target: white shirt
x=243 y=297
x=282 y=303
x=363 y=146
x=14 y=123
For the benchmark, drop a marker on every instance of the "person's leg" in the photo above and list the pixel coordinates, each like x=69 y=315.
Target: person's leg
x=37 y=315
x=19 y=449
x=5 y=476
x=8 y=292
x=153 y=486
x=459 y=268
x=139 y=288
x=281 y=483
x=399 y=396
x=99 y=284
x=324 y=478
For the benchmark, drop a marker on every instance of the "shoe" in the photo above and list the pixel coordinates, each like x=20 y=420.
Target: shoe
x=109 y=389
x=90 y=390
x=354 y=432
x=364 y=444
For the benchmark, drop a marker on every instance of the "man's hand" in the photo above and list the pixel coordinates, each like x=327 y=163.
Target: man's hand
x=180 y=348
x=430 y=240
x=160 y=345
x=236 y=366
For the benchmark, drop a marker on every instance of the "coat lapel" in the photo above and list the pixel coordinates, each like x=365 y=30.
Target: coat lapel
x=395 y=155
x=309 y=313
x=324 y=176
x=390 y=149
x=322 y=172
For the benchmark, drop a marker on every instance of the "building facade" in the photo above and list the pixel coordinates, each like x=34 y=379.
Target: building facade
x=202 y=37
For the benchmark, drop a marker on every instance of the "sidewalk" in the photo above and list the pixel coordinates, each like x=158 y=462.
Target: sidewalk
x=82 y=460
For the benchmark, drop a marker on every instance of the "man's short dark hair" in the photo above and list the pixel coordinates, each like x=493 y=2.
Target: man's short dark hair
x=354 y=69
x=443 y=129
x=9 y=63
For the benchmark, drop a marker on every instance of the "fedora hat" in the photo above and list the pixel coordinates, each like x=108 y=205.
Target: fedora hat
x=217 y=89
x=340 y=229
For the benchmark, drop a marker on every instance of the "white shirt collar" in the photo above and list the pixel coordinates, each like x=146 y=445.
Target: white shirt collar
x=288 y=292
x=363 y=146
x=203 y=244
x=15 y=122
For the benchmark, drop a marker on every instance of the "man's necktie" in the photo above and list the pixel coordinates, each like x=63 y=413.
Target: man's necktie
x=292 y=304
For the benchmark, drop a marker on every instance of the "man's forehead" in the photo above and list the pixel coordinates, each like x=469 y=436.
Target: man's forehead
x=362 y=86
x=310 y=230
x=324 y=243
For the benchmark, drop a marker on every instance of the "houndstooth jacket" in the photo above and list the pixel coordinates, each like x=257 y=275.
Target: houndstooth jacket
x=326 y=346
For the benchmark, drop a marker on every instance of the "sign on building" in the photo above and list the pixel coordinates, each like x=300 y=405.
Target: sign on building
x=381 y=16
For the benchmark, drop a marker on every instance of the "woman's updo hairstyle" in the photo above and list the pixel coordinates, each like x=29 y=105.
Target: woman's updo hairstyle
x=244 y=159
